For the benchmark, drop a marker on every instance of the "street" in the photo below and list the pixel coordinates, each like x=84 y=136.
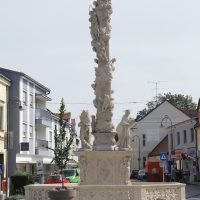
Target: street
x=192 y=192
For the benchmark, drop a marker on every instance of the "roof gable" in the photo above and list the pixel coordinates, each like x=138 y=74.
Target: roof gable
x=161 y=147
x=163 y=108
x=21 y=74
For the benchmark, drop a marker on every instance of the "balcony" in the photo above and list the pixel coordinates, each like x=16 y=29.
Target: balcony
x=41 y=148
x=42 y=151
x=42 y=117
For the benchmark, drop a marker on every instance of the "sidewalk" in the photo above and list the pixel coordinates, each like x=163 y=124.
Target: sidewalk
x=194 y=183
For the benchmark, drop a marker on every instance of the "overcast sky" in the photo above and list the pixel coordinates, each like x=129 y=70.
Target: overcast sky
x=152 y=40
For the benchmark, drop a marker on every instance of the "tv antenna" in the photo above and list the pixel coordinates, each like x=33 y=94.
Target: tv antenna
x=156 y=83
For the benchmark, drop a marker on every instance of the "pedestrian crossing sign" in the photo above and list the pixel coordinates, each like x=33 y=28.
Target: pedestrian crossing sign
x=163 y=156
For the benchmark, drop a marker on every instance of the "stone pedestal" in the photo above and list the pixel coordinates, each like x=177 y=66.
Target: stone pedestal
x=105 y=175
x=105 y=167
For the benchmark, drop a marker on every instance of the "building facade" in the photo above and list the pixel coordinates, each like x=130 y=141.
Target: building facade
x=151 y=130
x=31 y=124
x=4 y=89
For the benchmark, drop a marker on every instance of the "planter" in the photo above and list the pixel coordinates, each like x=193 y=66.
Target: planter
x=69 y=194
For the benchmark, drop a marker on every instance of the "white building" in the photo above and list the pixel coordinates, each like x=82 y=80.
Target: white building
x=150 y=131
x=4 y=88
x=32 y=127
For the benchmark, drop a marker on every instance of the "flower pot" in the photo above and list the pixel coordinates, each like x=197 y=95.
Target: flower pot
x=69 y=194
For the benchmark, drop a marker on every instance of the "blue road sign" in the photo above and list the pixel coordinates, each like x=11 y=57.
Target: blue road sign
x=163 y=156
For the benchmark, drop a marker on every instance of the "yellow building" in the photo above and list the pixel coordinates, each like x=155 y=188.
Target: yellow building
x=4 y=87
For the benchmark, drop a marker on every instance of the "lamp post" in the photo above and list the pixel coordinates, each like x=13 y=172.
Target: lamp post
x=170 y=141
x=138 y=149
x=9 y=138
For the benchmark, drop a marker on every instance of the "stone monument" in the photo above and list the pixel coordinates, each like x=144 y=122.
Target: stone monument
x=105 y=165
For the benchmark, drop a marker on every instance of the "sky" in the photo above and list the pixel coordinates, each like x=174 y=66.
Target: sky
x=153 y=41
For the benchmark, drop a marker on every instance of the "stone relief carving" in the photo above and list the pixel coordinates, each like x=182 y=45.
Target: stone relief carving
x=83 y=166
x=167 y=194
x=125 y=170
x=123 y=130
x=107 y=103
x=85 y=130
x=104 y=173
x=109 y=194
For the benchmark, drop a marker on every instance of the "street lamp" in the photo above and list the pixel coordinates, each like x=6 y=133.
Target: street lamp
x=138 y=138
x=8 y=136
x=170 y=139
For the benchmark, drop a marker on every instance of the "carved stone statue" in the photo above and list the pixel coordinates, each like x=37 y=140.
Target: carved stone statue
x=123 y=130
x=85 y=130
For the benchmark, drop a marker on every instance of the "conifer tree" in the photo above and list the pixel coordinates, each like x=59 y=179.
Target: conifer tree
x=62 y=146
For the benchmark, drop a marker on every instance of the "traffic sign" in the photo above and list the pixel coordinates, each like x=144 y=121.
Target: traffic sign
x=39 y=166
x=163 y=156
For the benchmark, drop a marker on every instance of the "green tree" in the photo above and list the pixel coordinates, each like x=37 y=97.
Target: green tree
x=62 y=146
x=183 y=102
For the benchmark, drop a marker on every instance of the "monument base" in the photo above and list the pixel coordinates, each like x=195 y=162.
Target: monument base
x=137 y=191
x=104 y=167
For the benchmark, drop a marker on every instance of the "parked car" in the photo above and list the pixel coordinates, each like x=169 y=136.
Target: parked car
x=55 y=178
x=72 y=175
x=134 y=174
x=141 y=174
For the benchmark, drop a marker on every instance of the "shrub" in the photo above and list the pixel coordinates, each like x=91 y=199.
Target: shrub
x=18 y=181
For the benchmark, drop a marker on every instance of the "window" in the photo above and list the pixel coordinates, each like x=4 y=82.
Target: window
x=50 y=135
x=192 y=134
x=24 y=97
x=178 y=138
x=185 y=136
x=24 y=130
x=1 y=118
x=30 y=131
x=144 y=140
x=31 y=100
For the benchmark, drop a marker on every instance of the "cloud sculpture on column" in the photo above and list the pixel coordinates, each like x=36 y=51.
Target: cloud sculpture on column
x=100 y=32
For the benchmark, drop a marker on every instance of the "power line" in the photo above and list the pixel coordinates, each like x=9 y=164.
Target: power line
x=86 y=103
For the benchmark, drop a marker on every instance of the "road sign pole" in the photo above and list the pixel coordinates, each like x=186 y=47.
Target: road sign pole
x=163 y=172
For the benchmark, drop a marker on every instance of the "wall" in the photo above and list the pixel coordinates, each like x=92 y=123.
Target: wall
x=4 y=87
